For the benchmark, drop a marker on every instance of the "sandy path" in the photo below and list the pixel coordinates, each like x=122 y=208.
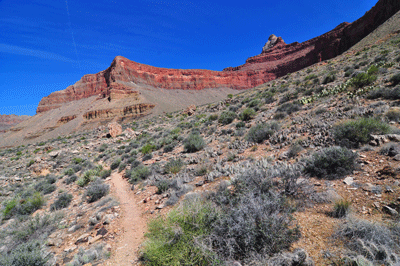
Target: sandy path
x=131 y=222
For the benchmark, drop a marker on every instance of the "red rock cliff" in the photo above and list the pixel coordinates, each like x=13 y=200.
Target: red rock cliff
x=277 y=59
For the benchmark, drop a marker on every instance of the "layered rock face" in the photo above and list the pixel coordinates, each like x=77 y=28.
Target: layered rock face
x=8 y=121
x=276 y=59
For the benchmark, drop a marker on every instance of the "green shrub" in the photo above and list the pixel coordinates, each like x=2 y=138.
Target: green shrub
x=148 y=148
x=96 y=191
x=393 y=114
x=226 y=117
x=386 y=93
x=103 y=147
x=253 y=103
x=31 y=162
x=63 y=200
x=173 y=166
x=363 y=79
x=77 y=160
x=247 y=114
x=395 y=79
x=27 y=254
x=45 y=187
x=353 y=133
x=115 y=164
x=331 y=163
x=162 y=186
x=9 y=208
x=213 y=117
x=240 y=124
x=261 y=132
x=329 y=78
x=294 y=150
x=194 y=143
x=105 y=173
x=289 y=108
x=69 y=172
x=341 y=208
x=139 y=173
x=172 y=241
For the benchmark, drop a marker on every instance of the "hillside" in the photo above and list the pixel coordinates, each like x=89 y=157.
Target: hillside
x=301 y=170
x=127 y=91
x=8 y=121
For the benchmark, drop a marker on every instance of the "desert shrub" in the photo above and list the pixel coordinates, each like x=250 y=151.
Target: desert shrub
x=393 y=115
x=253 y=103
x=294 y=150
x=289 y=108
x=103 y=147
x=374 y=242
x=247 y=114
x=114 y=165
x=279 y=115
x=348 y=72
x=194 y=143
x=201 y=170
x=169 y=147
x=147 y=149
x=269 y=97
x=255 y=219
x=363 y=79
x=96 y=191
x=70 y=179
x=105 y=173
x=45 y=187
x=331 y=163
x=63 y=200
x=121 y=167
x=172 y=241
x=162 y=186
x=341 y=208
x=140 y=172
x=27 y=254
x=173 y=166
x=213 y=117
x=226 y=117
x=77 y=160
x=31 y=162
x=240 y=124
x=329 y=78
x=353 y=133
x=261 y=132
x=395 y=79
x=69 y=172
x=23 y=206
x=386 y=93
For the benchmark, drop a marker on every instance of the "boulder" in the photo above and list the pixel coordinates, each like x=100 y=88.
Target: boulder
x=114 y=129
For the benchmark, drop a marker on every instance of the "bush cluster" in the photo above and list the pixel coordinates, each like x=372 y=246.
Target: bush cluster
x=193 y=143
x=353 y=133
x=173 y=166
x=96 y=191
x=331 y=163
x=261 y=132
x=247 y=114
x=63 y=200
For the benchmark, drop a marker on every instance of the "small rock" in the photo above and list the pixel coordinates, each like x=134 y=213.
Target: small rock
x=70 y=249
x=54 y=154
x=102 y=231
x=161 y=206
x=108 y=218
x=390 y=211
x=93 y=221
x=82 y=239
x=349 y=180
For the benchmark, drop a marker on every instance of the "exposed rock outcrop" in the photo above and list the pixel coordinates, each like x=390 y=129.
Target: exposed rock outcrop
x=277 y=59
x=8 y=121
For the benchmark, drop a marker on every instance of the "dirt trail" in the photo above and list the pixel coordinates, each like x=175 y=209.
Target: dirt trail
x=131 y=223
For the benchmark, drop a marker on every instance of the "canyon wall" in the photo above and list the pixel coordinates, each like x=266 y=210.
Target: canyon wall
x=276 y=59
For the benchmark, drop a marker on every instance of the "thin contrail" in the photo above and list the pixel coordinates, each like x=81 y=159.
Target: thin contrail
x=72 y=34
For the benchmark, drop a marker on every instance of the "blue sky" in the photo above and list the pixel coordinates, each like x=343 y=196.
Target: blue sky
x=47 y=45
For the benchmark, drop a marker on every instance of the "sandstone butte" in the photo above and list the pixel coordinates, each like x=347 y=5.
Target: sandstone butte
x=277 y=59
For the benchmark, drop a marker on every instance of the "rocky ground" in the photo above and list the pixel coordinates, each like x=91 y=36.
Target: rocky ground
x=86 y=199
